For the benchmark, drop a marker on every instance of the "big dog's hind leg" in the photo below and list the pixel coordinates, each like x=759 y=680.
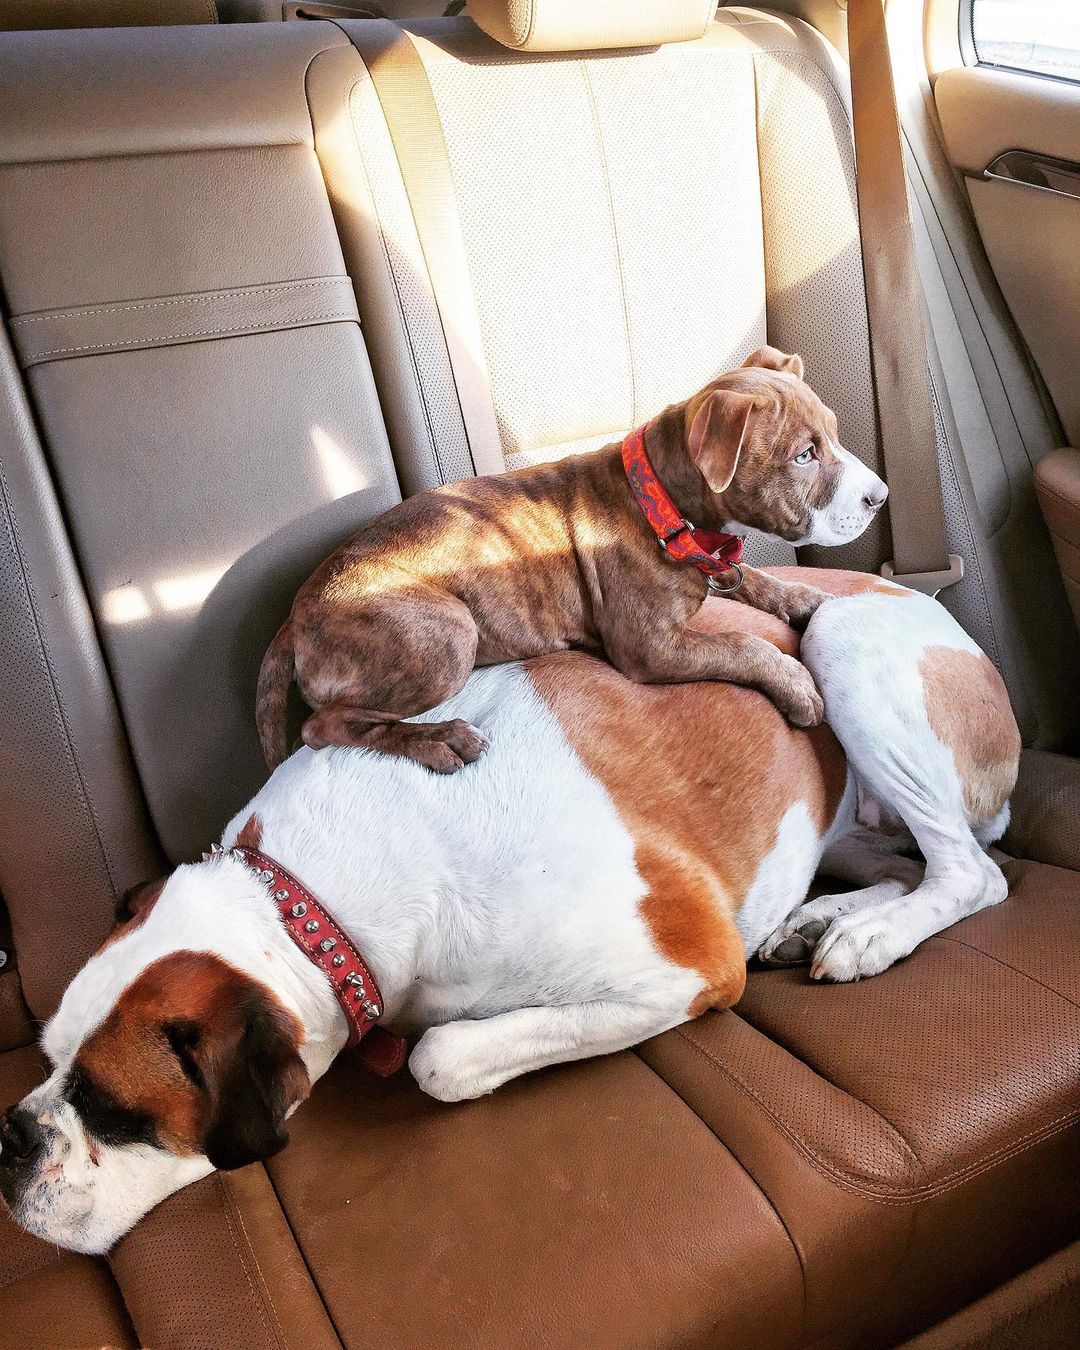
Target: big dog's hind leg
x=371 y=665
x=884 y=663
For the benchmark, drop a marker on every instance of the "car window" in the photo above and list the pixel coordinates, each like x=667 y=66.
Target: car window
x=1037 y=35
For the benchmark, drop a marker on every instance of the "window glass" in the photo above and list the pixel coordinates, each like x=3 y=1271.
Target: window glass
x=1038 y=35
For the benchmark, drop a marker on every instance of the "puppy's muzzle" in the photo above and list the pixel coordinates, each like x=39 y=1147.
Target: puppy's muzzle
x=21 y=1142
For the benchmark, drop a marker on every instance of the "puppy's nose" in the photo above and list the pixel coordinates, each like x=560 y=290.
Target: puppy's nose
x=19 y=1136
x=875 y=495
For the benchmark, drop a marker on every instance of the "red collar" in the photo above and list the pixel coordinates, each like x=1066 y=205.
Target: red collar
x=713 y=552
x=322 y=940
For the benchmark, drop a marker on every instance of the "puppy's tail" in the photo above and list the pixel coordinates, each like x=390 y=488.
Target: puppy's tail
x=272 y=696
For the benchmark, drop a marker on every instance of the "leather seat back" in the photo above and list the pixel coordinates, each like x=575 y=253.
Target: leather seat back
x=202 y=420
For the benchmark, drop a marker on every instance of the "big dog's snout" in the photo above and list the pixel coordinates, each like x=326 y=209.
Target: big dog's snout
x=20 y=1142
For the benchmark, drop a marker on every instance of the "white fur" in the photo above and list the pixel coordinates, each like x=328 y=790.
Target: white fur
x=848 y=513
x=499 y=907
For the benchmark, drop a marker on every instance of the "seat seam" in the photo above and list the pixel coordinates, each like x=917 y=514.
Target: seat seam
x=303 y=1256
x=897 y=1196
x=201 y=298
x=254 y=1256
x=232 y=330
x=1008 y=965
x=58 y=704
x=602 y=151
x=270 y=1323
x=735 y=1157
x=433 y=444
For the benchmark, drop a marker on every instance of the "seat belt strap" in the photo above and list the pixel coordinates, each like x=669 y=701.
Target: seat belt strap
x=408 y=104
x=895 y=308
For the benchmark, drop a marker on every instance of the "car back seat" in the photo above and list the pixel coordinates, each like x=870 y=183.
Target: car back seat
x=764 y=1177
x=631 y=223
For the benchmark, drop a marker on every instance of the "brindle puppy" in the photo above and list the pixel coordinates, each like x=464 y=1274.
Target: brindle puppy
x=560 y=555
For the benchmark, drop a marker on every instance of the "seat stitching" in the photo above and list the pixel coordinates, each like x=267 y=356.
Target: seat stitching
x=203 y=298
x=237 y=330
x=392 y=273
x=846 y=1180
x=587 y=76
x=254 y=1256
x=739 y=1162
x=58 y=704
x=259 y=1302
x=1009 y=966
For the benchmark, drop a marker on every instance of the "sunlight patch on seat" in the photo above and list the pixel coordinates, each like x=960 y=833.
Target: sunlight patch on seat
x=341 y=475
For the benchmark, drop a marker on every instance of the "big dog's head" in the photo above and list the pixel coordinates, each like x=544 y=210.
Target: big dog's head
x=767 y=448
x=168 y=1060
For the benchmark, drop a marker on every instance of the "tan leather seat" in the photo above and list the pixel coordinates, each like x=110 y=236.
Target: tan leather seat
x=188 y=419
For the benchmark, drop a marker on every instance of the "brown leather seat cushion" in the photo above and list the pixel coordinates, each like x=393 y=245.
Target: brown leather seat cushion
x=50 y=1298
x=587 y=1206
x=918 y=1132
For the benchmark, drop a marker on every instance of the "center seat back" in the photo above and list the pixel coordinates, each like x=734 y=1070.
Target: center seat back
x=192 y=427
x=624 y=201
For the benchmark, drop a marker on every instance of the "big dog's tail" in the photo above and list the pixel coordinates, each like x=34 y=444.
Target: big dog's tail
x=272 y=696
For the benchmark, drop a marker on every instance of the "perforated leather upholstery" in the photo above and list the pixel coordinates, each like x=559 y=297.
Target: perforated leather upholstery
x=829 y=1167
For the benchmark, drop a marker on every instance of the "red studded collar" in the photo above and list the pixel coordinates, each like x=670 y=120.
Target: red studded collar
x=323 y=941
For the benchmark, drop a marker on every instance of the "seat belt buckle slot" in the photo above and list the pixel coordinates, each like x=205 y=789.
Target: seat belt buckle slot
x=929 y=583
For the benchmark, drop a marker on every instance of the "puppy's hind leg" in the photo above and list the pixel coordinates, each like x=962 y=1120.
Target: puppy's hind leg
x=384 y=662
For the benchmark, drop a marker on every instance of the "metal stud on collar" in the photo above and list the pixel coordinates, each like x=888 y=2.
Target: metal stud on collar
x=338 y=960
x=370 y=1009
x=298 y=910
x=312 y=926
x=327 y=944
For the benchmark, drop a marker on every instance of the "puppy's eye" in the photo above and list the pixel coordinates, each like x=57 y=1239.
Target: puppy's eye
x=805 y=456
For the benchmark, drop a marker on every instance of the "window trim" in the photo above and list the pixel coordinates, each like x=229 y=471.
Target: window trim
x=965 y=15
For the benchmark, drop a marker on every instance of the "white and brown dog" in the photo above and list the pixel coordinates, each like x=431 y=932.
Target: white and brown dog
x=600 y=876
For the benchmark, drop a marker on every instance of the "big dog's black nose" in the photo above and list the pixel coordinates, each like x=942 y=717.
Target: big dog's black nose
x=20 y=1135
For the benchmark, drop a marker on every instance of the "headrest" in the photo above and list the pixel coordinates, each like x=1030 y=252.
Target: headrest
x=590 y=25
x=22 y=15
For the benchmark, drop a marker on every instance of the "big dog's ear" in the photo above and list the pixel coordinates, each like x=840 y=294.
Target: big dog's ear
x=137 y=901
x=719 y=428
x=252 y=1076
x=772 y=358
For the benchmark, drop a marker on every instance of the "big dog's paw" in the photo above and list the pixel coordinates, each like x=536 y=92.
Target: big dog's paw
x=795 y=693
x=855 y=946
x=446 y=1063
x=793 y=943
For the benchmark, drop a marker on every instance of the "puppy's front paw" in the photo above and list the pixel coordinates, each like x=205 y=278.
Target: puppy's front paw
x=795 y=693
x=800 y=604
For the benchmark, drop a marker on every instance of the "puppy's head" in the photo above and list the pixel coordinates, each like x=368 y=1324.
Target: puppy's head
x=166 y=1064
x=766 y=444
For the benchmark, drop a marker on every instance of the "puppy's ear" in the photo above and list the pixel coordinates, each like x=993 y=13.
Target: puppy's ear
x=717 y=433
x=253 y=1076
x=772 y=358
x=137 y=901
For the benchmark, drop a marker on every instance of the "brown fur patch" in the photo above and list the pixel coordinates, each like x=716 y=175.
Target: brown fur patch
x=701 y=775
x=968 y=708
x=129 y=1056
x=134 y=908
x=250 y=835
